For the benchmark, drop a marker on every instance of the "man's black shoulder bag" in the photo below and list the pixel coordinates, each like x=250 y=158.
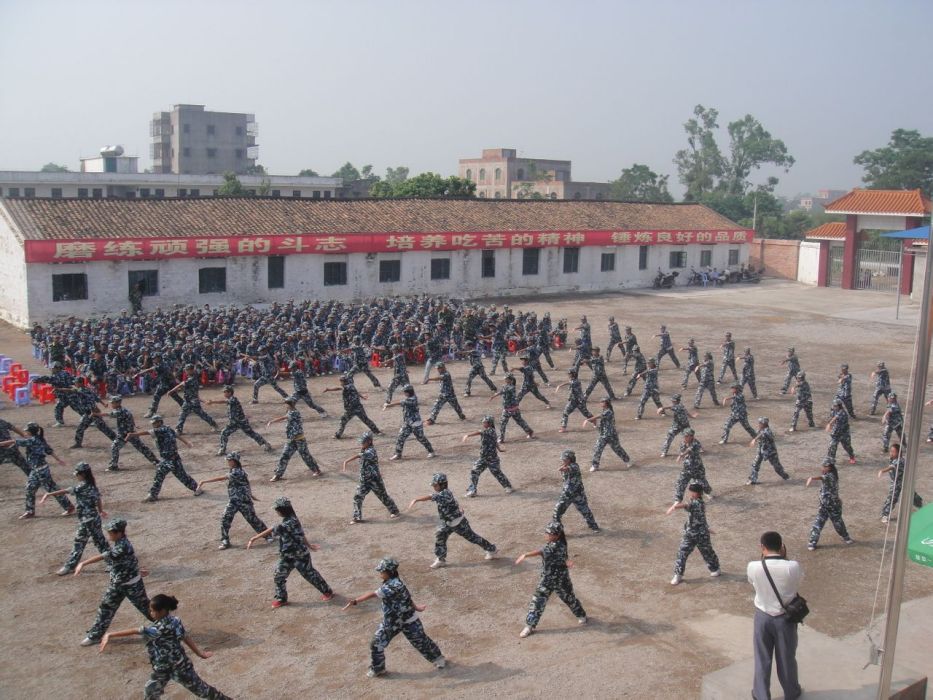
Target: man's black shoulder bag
x=797 y=609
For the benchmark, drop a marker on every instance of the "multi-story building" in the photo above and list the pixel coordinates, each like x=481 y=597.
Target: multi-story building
x=501 y=174
x=190 y=140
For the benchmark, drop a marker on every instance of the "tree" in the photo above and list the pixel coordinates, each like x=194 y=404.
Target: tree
x=906 y=163
x=701 y=163
x=751 y=146
x=231 y=187
x=396 y=175
x=348 y=172
x=640 y=184
x=308 y=172
x=256 y=170
x=366 y=173
x=425 y=185
x=53 y=168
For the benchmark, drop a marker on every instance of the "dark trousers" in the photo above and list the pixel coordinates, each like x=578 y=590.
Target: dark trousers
x=775 y=638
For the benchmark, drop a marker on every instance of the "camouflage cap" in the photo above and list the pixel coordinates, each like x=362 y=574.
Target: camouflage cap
x=387 y=564
x=82 y=468
x=366 y=437
x=281 y=502
x=488 y=419
x=553 y=528
x=676 y=397
x=155 y=418
x=235 y=456
x=115 y=525
x=438 y=478
x=569 y=455
x=115 y=399
x=828 y=462
x=763 y=420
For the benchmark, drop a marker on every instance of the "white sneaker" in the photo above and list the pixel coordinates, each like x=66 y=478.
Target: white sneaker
x=716 y=573
x=677 y=579
x=438 y=563
x=88 y=642
x=811 y=547
x=470 y=494
x=490 y=555
x=509 y=490
x=431 y=455
x=581 y=620
x=373 y=674
x=394 y=457
x=440 y=662
x=884 y=518
x=526 y=631
x=594 y=469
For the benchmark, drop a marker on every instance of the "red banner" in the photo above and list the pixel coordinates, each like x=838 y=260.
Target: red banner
x=325 y=244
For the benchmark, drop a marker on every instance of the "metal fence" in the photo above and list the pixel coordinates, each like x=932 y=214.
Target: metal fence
x=878 y=270
x=835 y=266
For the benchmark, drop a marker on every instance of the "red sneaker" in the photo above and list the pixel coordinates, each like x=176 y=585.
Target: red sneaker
x=326 y=597
x=851 y=460
x=279 y=603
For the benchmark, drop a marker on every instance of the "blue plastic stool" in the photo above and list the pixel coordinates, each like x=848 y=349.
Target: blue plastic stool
x=21 y=396
x=5 y=363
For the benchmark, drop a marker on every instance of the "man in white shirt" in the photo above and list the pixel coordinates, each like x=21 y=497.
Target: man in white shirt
x=774 y=635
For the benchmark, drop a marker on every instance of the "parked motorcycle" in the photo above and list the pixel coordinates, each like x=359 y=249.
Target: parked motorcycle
x=665 y=281
x=695 y=278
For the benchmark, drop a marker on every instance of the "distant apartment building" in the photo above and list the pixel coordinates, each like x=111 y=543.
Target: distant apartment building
x=815 y=202
x=501 y=174
x=190 y=140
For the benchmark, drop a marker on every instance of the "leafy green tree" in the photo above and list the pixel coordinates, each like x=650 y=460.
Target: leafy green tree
x=308 y=172
x=348 y=172
x=396 y=175
x=366 y=172
x=231 y=187
x=256 y=170
x=425 y=185
x=700 y=165
x=640 y=184
x=53 y=168
x=750 y=147
x=906 y=163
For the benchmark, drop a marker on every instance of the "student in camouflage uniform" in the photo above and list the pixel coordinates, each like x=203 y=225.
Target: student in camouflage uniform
x=477 y=369
x=575 y=402
x=615 y=339
x=488 y=457
x=533 y=352
x=892 y=421
x=236 y=420
x=167 y=444
x=830 y=505
x=191 y=402
x=500 y=348
x=164 y=380
x=650 y=390
x=629 y=343
x=90 y=509
x=555 y=578
x=529 y=385
x=583 y=346
x=452 y=521
x=844 y=391
x=738 y=413
x=696 y=534
x=447 y=394
x=294 y=553
x=510 y=409
x=640 y=366
x=125 y=425
x=598 y=365
x=748 y=372
x=803 y=401
x=268 y=373
x=85 y=402
x=240 y=496
x=360 y=361
x=300 y=386
x=728 y=359
x=681 y=420
x=411 y=423
x=294 y=441
x=793 y=367
x=370 y=479
x=692 y=470
x=12 y=454
x=399 y=371
x=895 y=470
x=126 y=581
x=59 y=380
x=707 y=381
x=164 y=638
x=352 y=406
x=572 y=491
x=692 y=363
x=882 y=385
x=839 y=431
x=37 y=449
x=608 y=435
x=767 y=450
x=666 y=347
x=399 y=614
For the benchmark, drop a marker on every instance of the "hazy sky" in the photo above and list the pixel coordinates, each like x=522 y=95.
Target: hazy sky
x=605 y=84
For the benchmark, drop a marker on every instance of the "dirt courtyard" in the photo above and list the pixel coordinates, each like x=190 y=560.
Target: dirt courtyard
x=634 y=645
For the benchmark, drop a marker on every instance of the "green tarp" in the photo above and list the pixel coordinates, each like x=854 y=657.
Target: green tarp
x=920 y=537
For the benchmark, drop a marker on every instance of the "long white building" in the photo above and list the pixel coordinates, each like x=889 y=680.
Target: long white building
x=79 y=257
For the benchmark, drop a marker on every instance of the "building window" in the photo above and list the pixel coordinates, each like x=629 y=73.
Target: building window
x=276 y=272
x=29 y=192
x=276 y=193
x=327 y=194
x=498 y=195
x=182 y=192
x=211 y=152
x=149 y=279
x=440 y=268
x=144 y=192
x=70 y=287
x=335 y=273
x=129 y=194
x=186 y=128
x=240 y=131
x=733 y=256
x=98 y=193
x=390 y=270
x=56 y=193
x=571 y=260
x=210 y=130
x=469 y=174
x=576 y=195
x=212 y=280
x=489 y=263
x=194 y=192
x=553 y=195
x=159 y=193
x=13 y=192
x=186 y=152
x=530 y=257
x=482 y=174
x=296 y=194
x=678 y=258
x=608 y=262
x=316 y=194
x=82 y=193
x=482 y=195
x=238 y=152
x=520 y=175
x=706 y=258
x=498 y=174
x=642 y=257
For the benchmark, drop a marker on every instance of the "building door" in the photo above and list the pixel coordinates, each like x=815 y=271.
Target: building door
x=878 y=269
x=835 y=266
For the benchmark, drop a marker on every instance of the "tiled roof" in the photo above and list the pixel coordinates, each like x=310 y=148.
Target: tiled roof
x=894 y=202
x=57 y=219
x=833 y=231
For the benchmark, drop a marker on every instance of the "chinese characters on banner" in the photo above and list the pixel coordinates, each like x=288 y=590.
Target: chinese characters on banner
x=324 y=244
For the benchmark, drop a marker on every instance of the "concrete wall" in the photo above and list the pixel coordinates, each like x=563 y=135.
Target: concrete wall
x=808 y=262
x=779 y=257
x=920 y=268
x=247 y=277
x=13 y=300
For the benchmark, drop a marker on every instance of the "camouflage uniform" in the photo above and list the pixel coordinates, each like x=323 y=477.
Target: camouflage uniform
x=59 y=379
x=728 y=360
x=360 y=364
x=488 y=459
x=89 y=526
x=640 y=366
x=295 y=442
x=575 y=402
x=650 y=390
x=882 y=387
x=452 y=520
x=573 y=492
x=629 y=341
x=693 y=470
x=125 y=425
x=411 y=423
x=371 y=480
x=125 y=582
x=446 y=395
x=294 y=554
x=767 y=450
x=171 y=462
x=300 y=384
x=267 y=371
x=830 y=509
x=804 y=401
x=555 y=578
x=696 y=534
x=840 y=434
x=236 y=420
x=693 y=361
x=499 y=351
x=793 y=367
x=399 y=615
x=615 y=339
x=11 y=454
x=738 y=414
x=598 y=365
x=510 y=410
x=844 y=392
x=86 y=401
x=240 y=500
x=399 y=375
x=36 y=450
x=666 y=348
x=353 y=406
x=164 y=380
x=894 y=491
x=680 y=422
x=893 y=424
x=529 y=385
x=707 y=383
x=169 y=661
x=608 y=436
x=191 y=403
x=477 y=370
x=748 y=374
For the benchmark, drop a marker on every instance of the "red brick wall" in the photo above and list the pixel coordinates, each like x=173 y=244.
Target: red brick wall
x=779 y=257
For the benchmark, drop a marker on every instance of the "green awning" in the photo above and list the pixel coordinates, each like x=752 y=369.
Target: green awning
x=920 y=537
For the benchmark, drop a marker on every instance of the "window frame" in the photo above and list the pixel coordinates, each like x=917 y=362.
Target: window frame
x=390 y=271
x=335 y=273
x=571 y=260
x=531 y=258
x=488 y=264
x=440 y=268
x=59 y=286
x=278 y=275
x=611 y=258
x=643 y=257
x=134 y=276
x=706 y=257
x=677 y=259
x=733 y=256
x=207 y=286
